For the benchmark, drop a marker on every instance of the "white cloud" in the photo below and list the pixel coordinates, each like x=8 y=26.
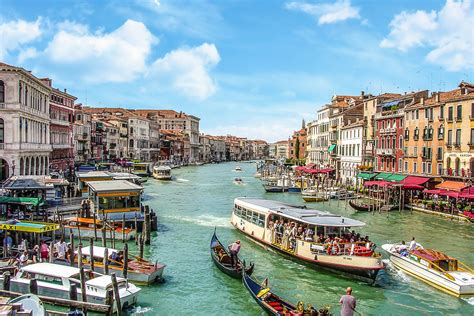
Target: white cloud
x=327 y=13
x=448 y=33
x=118 y=56
x=14 y=34
x=187 y=70
x=27 y=53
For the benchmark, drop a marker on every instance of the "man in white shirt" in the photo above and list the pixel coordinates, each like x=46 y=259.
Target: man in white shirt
x=23 y=259
x=412 y=244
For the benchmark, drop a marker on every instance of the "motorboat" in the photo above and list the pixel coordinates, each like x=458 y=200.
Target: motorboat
x=238 y=181
x=273 y=187
x=162 y=173
x=257 y=175
x=84 y=227
x=435 y=268
x=238 y=168
x=312 y=194
x=139 y=270
x=30 y=305
x=55 y=280
x=254 y=217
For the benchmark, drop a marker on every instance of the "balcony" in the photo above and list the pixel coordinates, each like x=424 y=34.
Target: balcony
x=457 y=144
x=449 y=119
x=470 y=144
x=440 y=118
x=25 y=146
x=449 y=144
x=384 y=151
x=416 y=137
x=388 y=130
x=60 y=122
x=61 y=146
x=389 y=114
x=439 y=157
x=124 y=135
x=427 y=137
x=458 y=119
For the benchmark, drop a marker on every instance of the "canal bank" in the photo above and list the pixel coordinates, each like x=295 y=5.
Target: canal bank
x=201 y=198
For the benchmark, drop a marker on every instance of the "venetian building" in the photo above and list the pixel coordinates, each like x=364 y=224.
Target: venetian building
x=24 y=123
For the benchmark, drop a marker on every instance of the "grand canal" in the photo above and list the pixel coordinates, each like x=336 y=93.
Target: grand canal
x=201 y=199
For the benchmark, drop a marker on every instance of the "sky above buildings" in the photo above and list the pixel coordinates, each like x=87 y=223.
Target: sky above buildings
x=245 y=67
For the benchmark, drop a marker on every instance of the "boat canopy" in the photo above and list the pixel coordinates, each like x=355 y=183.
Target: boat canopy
x=300 y=213
x=162 y=168
x=98 y=251
x=28 y=227
x=21 y=200
x=51 y=269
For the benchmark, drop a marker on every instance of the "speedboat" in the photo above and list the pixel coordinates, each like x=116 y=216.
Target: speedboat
x=257 y=175
x=238 y=168
x=238 y=181
x=162 y=173
x=313 y=195
x=55 y=280
x=139 y=270
x=273 y=187
x=435 y=268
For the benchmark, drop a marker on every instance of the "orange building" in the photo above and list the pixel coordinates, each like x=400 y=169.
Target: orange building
x=298 y=145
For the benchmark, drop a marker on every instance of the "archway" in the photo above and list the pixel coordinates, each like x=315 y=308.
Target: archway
x=27 y=166
x=4 y=170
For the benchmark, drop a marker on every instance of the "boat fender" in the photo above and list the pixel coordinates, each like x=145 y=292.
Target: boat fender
x=263 y=292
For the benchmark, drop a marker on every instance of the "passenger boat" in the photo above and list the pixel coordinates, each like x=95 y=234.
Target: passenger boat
x=254 y=217
x=84 y=227
x=313 y=195
x=273 y=304
x=434 y=268
x=294 y=189
x=221 y=259
x=142 y=169
x=30 y=304
x=139 y=270
x=54 y=280
x=162 y=173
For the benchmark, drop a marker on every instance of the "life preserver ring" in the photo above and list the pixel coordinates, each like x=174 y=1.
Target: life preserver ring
x=333 y=246
x=362 y=251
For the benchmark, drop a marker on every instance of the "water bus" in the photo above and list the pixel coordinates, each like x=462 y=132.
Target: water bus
x=162 y=173
x=54 y=280
x=255 y=217
x=139 y=270
x=142 y=169
x=435 y=268
x=84 y=227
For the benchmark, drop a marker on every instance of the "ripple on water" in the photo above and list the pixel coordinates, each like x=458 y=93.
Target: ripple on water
x=203 y=220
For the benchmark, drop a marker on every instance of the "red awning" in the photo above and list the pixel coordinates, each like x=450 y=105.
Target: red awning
x=452 y=185
x=433 y=191
x=450 y=194
x=414 y=180
x=327 y=170
x=378 y=183
x=466 y=195
x=413 y=187
x=300 y=168
x=311 y=165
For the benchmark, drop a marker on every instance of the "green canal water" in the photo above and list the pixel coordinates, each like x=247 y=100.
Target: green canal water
x=201 y=198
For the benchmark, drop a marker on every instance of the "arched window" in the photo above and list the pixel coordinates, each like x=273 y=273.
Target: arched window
x=2 y=131
x=22 y=166
x=131 y=142
x=448 y=163
x=457 y=166
x=2 y=92
x=471 y=167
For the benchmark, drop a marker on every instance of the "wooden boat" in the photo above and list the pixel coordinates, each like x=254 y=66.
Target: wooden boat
x=221 y=259
x=435 y=268
x=139 y=271
x=84 y=227
x=359 y=207
x=54 y=280
x=253 y=217
x=162 y=173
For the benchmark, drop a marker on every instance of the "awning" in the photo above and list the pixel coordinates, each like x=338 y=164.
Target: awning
x=377 y=183
x=432 y=191
x=452 y=185
x=21 y=200
x=382 y=176
x=300 y=168
x=466 y=196
x=413 y=187
x=331 y=148
x=366 y=175
x=450 y=194
x=414 y=180
x=28 y=227
x=395 y=177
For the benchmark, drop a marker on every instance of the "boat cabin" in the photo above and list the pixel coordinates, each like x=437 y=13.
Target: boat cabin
x=435 y=260
x=162 y=172
x=84 y=177
x=142 y=169
x=115 y=198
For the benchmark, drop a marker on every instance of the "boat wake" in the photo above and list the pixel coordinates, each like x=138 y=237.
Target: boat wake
x=182 y=180
x=469 y=300
x=204 y=220
x=140 y=310
x=396 y=273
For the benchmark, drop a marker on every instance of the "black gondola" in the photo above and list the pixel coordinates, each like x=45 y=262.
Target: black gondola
x=221 y=258
x=359 y=207
x=271 y=303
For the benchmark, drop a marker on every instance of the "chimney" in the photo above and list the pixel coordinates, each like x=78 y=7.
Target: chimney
x=362 y=93
x=422 y=101
x=437 y=97
x=65 y=90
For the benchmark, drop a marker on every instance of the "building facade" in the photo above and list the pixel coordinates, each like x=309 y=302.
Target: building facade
x=350 y=149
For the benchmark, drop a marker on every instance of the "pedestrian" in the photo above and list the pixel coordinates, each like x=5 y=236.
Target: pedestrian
x=348 y=303
x=23 y=261
x=61 y=249
x=44 y=251
x=7 y=244
x=234 y=249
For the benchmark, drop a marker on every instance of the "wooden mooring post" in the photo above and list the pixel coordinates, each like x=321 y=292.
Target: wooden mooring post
x=71 y=255
x=125 y=261
x=106 y=261
x=116 y=294
x=82 y=277
x=91 y=255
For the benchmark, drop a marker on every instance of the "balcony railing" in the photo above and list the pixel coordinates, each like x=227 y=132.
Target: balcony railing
x=441 y=118
x=61 y=146
x=449 y=120
x=60 y=122
x=25 y=146
x=385 y=151
x=458 y=119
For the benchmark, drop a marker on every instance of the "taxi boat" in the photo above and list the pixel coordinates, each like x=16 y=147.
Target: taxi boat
x=435 y=268
x=254 y=217
x=84 y=227
x=139 y=270
x=54 y=280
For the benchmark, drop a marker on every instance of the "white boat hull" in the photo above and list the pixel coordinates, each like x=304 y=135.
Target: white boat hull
x=430 y=276
x=163 y=178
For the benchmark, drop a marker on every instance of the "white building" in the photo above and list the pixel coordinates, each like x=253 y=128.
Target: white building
x=311 y=152
x=282 y=149
x=350 y=150
x=321 y=136
x=24 y=123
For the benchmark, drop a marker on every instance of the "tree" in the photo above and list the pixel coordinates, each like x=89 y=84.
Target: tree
x=297 y=148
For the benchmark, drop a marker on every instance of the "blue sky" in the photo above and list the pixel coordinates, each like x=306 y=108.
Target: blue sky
x=249 y=68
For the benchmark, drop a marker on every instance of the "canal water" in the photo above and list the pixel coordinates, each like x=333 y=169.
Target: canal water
x=201 y=198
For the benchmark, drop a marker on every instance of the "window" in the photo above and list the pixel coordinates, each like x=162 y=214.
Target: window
x=441 y=132
x=416 y=134
x=423 y=167
x=450 y=113
x=2 y=131
x=472 y=110
x=459 y=113
x=439 y=154
x=406 y=165
x=415 y=151
x=407 y=134
x=2 y=92
x=415 y=168
x=441 y=112
x=458 y=137
x=471 y=142
x=417 y=114
x=440 y=169
x=450 y=137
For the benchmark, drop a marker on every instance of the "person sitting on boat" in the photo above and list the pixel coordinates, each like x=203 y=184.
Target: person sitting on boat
x=309 y=234
x=412 y=244
x=234 y=249
x=23 y=260
x=402 y=249
x=299 y=232
x=61 y=248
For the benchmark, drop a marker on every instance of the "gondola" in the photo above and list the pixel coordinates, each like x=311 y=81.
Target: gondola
x=360 y=208
x=221 y=258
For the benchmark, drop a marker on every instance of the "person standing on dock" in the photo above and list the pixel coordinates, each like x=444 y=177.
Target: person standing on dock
x=234 y=250
x=348 y=303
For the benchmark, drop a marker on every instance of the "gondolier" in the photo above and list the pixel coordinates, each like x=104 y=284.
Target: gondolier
x=234 y=249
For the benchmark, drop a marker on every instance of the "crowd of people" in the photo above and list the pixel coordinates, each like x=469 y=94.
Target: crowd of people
x=285 y=234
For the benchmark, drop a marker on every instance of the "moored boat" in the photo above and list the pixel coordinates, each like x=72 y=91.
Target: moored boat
x=272 y=187
x=162 y=173
x=54 y=280
x=294 y=189
x=221 y=258
x=435 y=268
x=256 y=217
x=273 y=304
x=361 y=207
x=139 y=270
x=84 y=227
